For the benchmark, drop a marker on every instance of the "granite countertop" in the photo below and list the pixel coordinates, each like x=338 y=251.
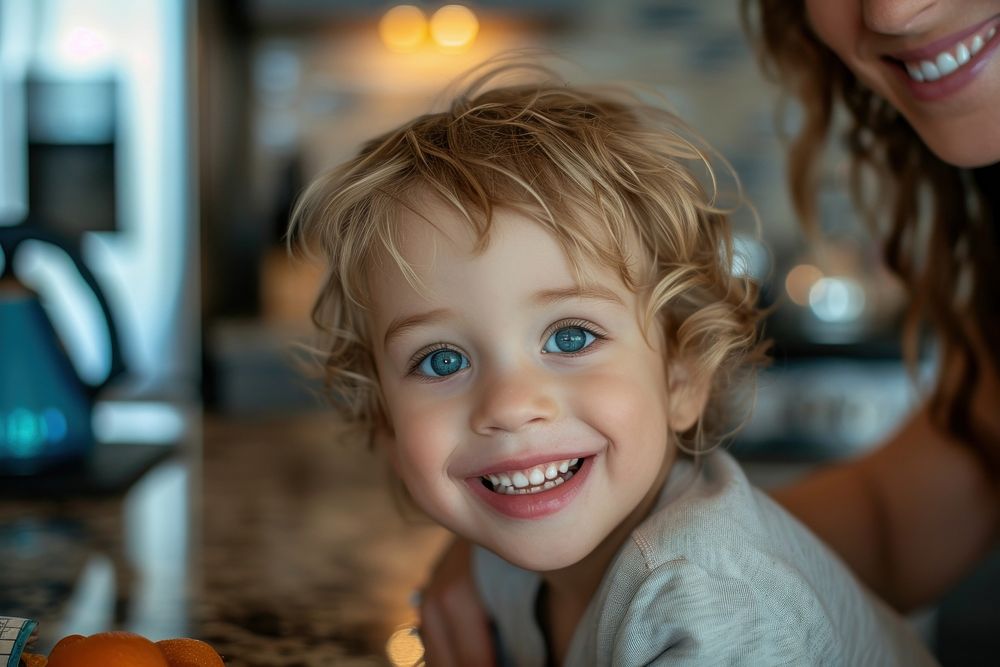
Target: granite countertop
x=277 y=540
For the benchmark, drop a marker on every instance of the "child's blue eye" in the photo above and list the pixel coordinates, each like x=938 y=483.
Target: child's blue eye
x=568 y=340
x=442 y=362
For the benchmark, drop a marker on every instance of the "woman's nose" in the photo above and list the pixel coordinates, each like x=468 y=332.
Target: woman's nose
x=511 y=400
x=893 y=17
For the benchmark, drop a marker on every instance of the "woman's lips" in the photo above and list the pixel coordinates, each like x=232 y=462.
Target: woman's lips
x=939 y=69
x=931 y=50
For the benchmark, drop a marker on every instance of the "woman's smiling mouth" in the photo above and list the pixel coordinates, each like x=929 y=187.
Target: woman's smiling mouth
x=940 y=60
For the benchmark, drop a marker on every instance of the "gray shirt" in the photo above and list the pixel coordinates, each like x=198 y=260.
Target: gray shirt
x=717 y=574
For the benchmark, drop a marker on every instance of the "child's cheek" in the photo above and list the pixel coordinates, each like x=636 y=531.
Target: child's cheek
x=628 y=406
x=426 y=434
x=614 y=401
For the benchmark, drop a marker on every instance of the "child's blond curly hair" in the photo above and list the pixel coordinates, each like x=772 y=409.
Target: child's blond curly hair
x=567 y=156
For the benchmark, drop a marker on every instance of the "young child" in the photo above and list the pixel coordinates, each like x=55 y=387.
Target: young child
x=530 y=304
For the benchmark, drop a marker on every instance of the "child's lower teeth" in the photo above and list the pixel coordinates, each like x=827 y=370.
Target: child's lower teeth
x=549 y=484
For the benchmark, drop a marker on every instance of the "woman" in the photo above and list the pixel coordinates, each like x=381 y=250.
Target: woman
x=920 y=81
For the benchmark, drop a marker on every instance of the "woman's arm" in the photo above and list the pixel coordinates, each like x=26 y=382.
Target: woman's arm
x=910 y=518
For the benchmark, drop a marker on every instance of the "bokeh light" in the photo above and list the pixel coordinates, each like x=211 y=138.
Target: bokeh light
x=800 y=281
x=837 y=299
x=454 y=27
x=403 y=28
x=404 y=647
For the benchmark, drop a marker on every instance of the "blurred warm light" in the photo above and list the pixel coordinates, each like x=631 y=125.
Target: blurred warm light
x=403 y=28
x=364 y=64
x=837 y=299
x=404 y=647
x=454 y=27
x=800 y=280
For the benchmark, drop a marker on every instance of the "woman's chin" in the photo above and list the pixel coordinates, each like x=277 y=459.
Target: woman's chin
x=971 y=159
x=964 y=147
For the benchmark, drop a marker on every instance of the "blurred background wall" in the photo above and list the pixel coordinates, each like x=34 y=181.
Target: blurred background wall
x=290 y=88
x=170 y=139
x=96 y=125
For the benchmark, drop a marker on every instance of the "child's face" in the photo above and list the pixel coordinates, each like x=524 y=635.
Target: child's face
x=503 y=368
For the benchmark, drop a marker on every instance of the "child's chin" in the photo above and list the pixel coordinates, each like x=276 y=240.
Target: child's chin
x=540 y=557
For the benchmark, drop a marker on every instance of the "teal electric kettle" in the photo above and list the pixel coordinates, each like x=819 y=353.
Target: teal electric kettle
x=45 y=407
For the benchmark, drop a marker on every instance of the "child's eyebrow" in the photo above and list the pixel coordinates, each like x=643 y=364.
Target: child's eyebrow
x=401 y=324
x=549 y=296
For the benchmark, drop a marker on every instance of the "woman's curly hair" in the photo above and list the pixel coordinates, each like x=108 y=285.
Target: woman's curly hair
x=938 y=222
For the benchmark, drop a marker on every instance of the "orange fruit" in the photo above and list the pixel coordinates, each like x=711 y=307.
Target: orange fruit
x=34 y=660
x=185 y=652
x=107 y=649
x=68 y=639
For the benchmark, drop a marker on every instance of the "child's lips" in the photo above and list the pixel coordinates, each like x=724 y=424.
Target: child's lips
x=537 y=503
x=532 y=480
x=526 y=463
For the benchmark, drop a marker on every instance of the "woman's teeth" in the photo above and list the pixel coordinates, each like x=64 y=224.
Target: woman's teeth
x=533 y=480
x=948 y=61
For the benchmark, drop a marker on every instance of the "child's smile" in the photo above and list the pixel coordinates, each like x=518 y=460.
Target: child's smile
x=532 y=480
x=526 y=412
x=523 y=490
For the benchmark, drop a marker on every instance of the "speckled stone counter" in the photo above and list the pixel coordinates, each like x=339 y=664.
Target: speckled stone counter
x=276 y=540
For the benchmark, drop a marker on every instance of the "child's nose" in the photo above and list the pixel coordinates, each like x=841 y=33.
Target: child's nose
x=512 y=400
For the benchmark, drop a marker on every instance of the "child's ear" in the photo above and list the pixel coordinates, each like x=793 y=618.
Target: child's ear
x=688 y=395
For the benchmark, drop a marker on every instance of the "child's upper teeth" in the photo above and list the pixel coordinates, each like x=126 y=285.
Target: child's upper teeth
x=532 y=480
x=947 y=62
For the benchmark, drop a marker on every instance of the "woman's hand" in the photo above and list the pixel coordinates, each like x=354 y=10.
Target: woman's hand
x=453 y=624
